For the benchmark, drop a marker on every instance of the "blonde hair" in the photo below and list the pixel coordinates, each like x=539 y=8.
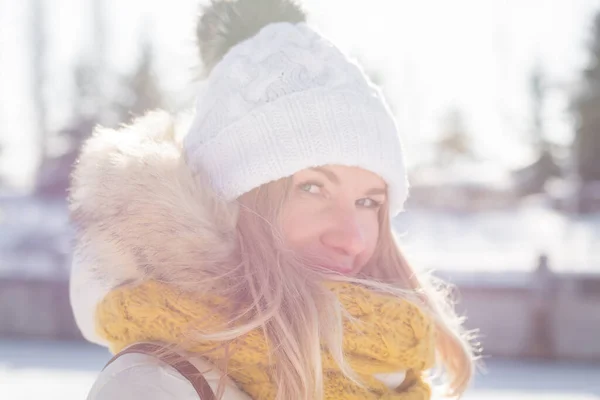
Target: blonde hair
x=279 y=293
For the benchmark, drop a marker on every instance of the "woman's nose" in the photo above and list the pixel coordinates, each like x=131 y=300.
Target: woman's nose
x=345 y=235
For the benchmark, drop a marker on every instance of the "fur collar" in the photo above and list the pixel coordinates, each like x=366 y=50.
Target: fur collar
x=131 y=193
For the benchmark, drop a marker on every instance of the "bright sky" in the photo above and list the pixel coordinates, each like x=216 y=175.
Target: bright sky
x=433 y=55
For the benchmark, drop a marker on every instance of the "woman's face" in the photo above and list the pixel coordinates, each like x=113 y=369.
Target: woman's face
x=331 y=216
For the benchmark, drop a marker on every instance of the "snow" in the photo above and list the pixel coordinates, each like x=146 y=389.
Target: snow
x=501 y=241
x=35 y=237
x=66 y=371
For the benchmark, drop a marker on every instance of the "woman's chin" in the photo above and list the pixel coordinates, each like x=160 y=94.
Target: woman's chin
x=339 y=269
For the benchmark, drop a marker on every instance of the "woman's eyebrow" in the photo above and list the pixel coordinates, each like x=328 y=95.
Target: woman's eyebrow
x=376 y=191
x=329 y=174
x=336 y=180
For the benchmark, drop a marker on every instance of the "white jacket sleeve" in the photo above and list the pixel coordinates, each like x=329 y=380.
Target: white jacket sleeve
x=140 y=376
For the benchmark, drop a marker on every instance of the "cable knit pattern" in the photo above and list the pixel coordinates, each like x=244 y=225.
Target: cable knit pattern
x=385 y=335
x=284 y=100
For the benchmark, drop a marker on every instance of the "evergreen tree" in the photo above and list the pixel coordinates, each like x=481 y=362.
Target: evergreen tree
x=140 y=91
x=455 y=143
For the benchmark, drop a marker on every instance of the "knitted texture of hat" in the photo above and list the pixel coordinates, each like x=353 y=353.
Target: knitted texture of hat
x=285 y=100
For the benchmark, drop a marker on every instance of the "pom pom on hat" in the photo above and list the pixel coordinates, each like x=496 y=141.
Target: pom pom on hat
x=223 y=24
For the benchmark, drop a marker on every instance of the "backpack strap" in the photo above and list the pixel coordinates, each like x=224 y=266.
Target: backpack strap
x=184 y=367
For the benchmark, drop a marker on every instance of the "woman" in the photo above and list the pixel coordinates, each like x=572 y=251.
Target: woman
x=254 y=258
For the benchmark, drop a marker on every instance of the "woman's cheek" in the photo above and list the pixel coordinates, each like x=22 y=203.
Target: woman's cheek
x=371 y=229
x=298 y=225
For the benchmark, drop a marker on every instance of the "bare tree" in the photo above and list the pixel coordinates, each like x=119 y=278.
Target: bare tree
x=587 y=109
x=38 y=63
x=538 y=95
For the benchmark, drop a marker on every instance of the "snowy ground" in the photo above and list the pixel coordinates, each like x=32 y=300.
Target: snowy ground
x=65 y=371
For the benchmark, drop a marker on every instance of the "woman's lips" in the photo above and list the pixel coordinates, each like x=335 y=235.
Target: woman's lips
x=343 y=266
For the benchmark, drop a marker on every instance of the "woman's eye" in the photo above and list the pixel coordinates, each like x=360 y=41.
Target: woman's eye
x=368 y=203
x=310 y=187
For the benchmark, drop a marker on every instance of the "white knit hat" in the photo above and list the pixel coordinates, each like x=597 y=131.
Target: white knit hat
x=284 y=100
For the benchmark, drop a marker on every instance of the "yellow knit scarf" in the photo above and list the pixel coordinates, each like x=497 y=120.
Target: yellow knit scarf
x=388 y=335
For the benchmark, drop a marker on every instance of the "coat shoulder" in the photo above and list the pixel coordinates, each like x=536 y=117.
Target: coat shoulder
x=134 y=376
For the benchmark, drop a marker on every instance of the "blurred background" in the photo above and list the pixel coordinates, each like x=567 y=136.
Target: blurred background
x=499 y=106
